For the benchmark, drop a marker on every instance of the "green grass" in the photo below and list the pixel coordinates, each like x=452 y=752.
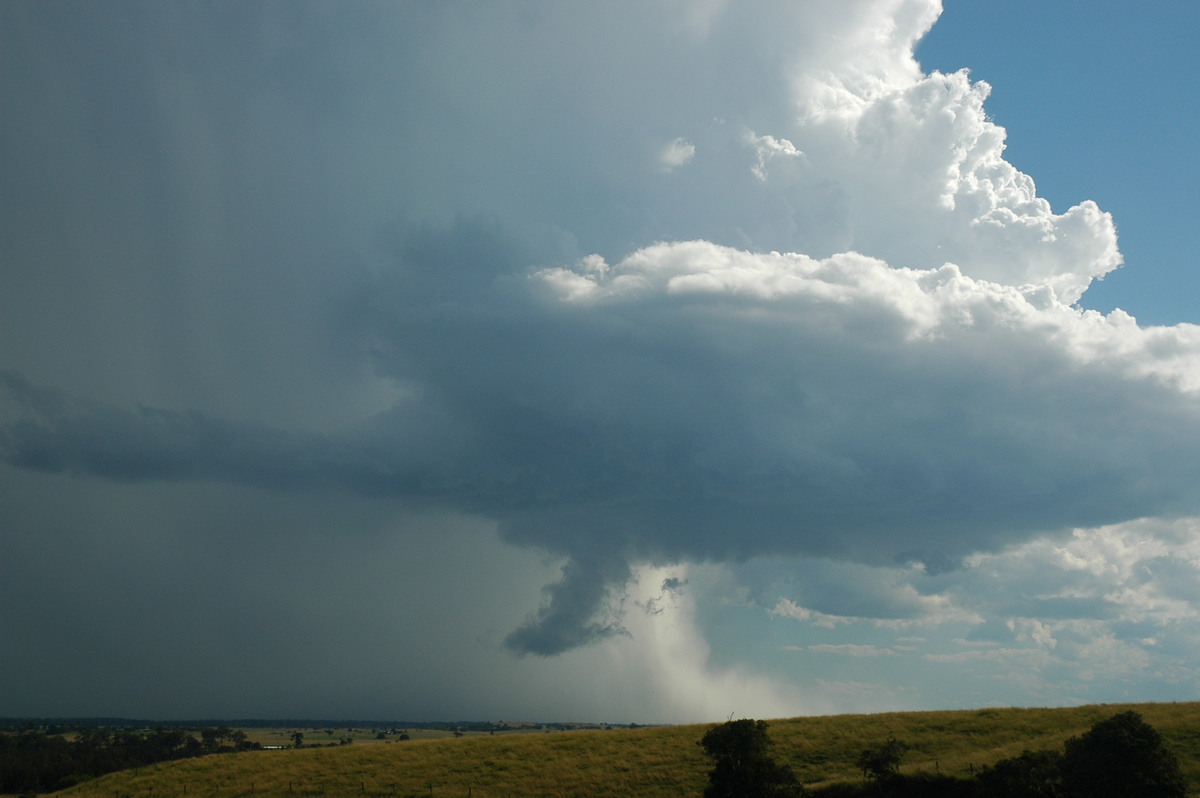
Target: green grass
x=661 y=762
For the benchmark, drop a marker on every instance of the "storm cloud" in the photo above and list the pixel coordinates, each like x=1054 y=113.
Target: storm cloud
x=629 y=287
x=696 y=403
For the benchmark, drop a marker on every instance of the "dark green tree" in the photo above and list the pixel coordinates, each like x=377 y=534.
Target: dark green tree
x=1120 y=757
x=742 y=763
x=1033 y=774
x=223 y=739
x=882 y=763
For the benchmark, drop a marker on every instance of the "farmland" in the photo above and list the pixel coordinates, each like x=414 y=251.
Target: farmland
x=652 y=762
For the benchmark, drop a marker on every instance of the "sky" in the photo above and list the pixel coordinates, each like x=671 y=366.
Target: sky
x=626 y=362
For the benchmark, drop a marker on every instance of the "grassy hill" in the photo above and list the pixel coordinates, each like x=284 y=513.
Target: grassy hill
x=663 y=762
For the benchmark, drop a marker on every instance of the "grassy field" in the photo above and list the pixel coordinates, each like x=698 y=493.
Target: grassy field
x=663 y=762
x=325 y=736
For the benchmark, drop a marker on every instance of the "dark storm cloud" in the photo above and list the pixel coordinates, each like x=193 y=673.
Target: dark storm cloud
x=574 y=614
x=796 y=410
x=346 y=256
x=58 y=434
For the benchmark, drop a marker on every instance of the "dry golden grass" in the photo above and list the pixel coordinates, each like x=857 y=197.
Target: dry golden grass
x=661 y=762
x=959 y=742
x=646 y=762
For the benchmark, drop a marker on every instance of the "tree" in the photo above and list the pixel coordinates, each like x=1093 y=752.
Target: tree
x=1119 y=757
x=1033 y=774
x=743 y=767
x=298 y=739
x=224 y=738
x=882 y=763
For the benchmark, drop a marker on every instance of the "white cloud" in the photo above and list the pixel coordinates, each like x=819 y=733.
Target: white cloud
x=767 y=148
x=786 y=608
x=678 y=152
x=1100 y=613
x=847 y=650
x=1010 y=657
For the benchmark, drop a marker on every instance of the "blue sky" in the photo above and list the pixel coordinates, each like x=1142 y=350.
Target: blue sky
x=649 y=362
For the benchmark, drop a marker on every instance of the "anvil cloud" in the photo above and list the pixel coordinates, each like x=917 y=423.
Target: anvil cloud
x=716 y=324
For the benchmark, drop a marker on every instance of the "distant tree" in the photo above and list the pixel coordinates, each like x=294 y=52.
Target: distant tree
x=241 y=743
x=1120 y=757
x=298 y=739
x=1033 y=774
x=882 y=763
x=223 y=738
x=743 y=766
x=33 y=762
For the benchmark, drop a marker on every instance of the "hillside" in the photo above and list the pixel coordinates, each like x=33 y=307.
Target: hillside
x=662 y=762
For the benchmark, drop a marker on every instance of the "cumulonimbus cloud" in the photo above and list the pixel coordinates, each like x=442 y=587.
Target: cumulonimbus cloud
x=696 y=402
x=854 y=338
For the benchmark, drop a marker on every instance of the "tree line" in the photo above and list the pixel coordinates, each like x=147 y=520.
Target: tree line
x=1121 y=757
x=32 y=760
